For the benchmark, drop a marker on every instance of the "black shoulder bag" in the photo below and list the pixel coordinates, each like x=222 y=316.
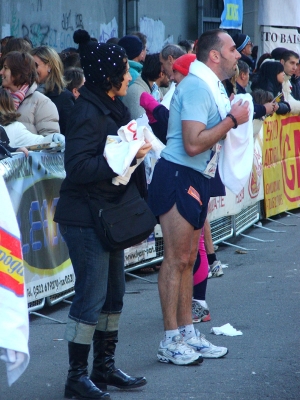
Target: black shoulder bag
x=123 y=223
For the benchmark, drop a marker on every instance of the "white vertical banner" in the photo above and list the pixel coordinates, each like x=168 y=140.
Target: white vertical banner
x=272 y=37
x=279 y=13
x=14 y=324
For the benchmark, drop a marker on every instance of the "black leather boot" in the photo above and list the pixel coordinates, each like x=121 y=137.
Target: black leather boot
x=78 y=385
x=104 y=371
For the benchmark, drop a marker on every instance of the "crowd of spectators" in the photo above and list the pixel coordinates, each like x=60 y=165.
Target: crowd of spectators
x=38 y=102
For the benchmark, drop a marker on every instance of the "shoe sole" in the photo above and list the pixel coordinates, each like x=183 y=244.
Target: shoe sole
x=166 y=360
x=103 y=386
x=217 y=275
x=71 y=395
x=214 y=356
x=203 y=319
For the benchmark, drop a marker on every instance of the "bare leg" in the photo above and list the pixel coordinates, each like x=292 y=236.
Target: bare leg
x=209 y=246
x=184 y=310
x=176 y=270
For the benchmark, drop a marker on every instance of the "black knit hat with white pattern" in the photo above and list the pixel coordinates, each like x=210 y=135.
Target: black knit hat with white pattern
x=99 y=60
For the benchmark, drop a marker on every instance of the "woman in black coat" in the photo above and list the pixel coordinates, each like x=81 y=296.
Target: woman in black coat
x=100 y=279
x=51 y=82
x=270 y=78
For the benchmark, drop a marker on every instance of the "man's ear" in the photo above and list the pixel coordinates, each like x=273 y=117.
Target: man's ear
x=214 y=56
x=282 y=61
x=170 y=59
x=75 y=92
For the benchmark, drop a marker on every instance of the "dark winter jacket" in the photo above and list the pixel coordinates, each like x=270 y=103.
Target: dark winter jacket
x=64 y=102
x=259 y=109
x=86 y=168
x=295 y=81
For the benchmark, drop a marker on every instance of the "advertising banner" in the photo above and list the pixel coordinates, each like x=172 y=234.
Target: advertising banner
x=141 y=252
x=33 y=184
x=272 y=37
x=232 y=16
x=281 y=163
x=278 y=13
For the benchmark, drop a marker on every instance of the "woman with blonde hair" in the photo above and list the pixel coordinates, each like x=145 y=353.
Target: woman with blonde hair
x=51 y=81
x=16 y=132
x=19 y=77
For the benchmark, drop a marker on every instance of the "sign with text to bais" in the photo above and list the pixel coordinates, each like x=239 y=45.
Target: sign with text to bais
x=281 y=161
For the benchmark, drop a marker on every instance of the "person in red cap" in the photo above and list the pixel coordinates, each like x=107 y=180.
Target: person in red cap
x=157 y=113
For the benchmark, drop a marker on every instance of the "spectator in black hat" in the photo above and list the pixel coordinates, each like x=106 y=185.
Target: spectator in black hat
x=276 y=53
x=100 y=279
x=244 y=47
x=134 y=50
x=143 y=38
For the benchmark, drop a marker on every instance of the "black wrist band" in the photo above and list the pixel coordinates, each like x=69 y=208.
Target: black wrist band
x=234 y=120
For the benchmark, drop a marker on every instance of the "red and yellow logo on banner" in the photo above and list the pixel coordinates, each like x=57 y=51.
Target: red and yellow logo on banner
x=281 y=161
x=11 y=264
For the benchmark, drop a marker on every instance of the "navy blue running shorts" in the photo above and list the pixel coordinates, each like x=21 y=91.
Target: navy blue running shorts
x=189 y=189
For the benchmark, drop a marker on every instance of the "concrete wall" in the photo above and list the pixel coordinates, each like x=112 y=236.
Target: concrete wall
x=250 y=25
x=178 y=16
x=52 y=22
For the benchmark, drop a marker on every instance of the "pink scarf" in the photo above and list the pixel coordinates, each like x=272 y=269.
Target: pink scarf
x=19 y=95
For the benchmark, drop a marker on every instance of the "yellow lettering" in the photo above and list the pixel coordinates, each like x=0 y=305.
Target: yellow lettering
x=232 y=12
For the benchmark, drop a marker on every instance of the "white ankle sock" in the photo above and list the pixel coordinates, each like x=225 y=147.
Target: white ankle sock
x=201 y=302
x=187 y=331
x=169 y=336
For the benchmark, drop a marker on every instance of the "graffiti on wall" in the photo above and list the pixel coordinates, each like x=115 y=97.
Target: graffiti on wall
x=108 y=31
x=59 y=37
x=155 y=32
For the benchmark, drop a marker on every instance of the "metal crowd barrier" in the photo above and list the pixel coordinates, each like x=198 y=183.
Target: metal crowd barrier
x=221 y=229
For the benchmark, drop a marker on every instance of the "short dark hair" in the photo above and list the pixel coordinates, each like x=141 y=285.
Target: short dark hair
x=141 y=36
x=22 y=66
x=172 y=50
x=209 y=40
x=73 y=77
x=70 y=59
x=187 y=45
x=243 y=67
x=261 y=96
x=113 y=40
x=115 y=78
x=286 y=55
x=17 y=44
x=152 y=67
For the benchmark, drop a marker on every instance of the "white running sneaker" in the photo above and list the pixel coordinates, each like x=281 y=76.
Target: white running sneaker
x=215 y=269
x=178 y=352
x=207 y=349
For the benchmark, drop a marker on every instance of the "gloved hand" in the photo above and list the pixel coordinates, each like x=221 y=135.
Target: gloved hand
x=60 y=140
x=148 y=102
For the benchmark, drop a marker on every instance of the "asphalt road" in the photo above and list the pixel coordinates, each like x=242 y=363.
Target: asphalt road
x=258 y=294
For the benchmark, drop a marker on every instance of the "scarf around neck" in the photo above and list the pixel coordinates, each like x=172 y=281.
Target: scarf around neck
x=19 y=95
x=119 y=112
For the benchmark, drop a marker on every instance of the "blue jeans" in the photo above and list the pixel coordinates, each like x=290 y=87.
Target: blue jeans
x=100 y=276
